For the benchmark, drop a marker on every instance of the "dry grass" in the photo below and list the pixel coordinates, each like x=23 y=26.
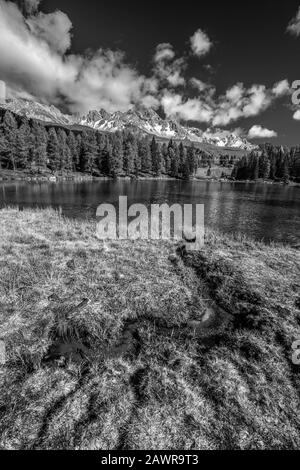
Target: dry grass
x=134 y=367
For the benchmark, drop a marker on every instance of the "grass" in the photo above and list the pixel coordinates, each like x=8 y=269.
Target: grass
x=122 y=345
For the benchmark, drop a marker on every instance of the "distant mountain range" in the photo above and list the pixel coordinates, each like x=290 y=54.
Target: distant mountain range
x=139 y=120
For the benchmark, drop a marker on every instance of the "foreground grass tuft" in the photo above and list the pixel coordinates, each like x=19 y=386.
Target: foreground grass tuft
x=123 y=345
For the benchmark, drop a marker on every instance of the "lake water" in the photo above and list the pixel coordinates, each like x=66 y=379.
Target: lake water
x=262 y=211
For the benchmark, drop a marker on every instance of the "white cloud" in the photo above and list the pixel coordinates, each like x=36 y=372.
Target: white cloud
x=238 y=102
x=281 y=88
x=294 y=25
x=175 y=79
x=259 y=132
x=200 y=43
x=202 y=86
x=166 y=69
x=35 y=64
x=164 y=52
x=296 y=115
x=30 y=62
x=188 y=110
x=54 y=28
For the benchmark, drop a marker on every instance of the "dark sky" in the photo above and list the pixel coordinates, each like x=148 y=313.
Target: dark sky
x=251 y=44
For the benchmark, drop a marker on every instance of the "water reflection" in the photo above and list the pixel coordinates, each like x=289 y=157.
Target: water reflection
x=269 y=212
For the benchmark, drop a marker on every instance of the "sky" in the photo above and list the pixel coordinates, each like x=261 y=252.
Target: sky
x=219 y=65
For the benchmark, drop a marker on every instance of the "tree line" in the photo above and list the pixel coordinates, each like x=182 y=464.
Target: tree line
x=27 y=144
x=269 y=163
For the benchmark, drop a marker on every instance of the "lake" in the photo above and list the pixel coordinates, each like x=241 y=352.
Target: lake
x=262 y=211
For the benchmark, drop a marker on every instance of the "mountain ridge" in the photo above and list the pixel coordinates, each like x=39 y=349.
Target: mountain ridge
x=138 y=119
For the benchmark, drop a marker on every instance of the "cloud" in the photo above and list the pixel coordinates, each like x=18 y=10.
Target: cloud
x=294 y=25
x=200 y=43
x=281 y=88
x=259 y=132
x=296 y=115
x=236 y=103
x=189 y=110
x=164 y=52
x=240 y=102
x=54 y=28
x=166 y=69
x=202 y=86
x=36 y=64
x=33 y=62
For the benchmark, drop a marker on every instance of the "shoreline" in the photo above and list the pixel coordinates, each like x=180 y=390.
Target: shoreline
x=10 y=176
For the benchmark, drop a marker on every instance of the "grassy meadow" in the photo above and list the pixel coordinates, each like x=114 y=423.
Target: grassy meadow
x=140 y=345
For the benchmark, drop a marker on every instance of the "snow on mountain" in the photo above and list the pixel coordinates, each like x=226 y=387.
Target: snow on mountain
x=34 y=110
x=138 y=119
x=148 y=121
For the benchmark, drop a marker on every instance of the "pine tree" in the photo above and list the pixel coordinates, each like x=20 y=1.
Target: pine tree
x=191 y=157
x=38 y=144
x=10 y=129
x=264 y=166
x=144 y=153
x=166 y=159
x=129 y=154
x=89 y=151
x=100 y=142
x=156 y=157
x=137 y=158
x=186 y=170
x=72 y=143
x=182 y=158
x=3 y=149
x=65 y=154
x=53 y=150
x=273 y=166
x=116 y=161
x=286 y=170
x=106 y=158
x=255 y=166
x=23 y=141
x=174 y=162
x=79 y=152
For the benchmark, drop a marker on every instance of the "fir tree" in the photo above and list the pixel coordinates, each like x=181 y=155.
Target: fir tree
x=191 y=156
x=156 y=157
x=89 y=151
x=129 y=155
x=145 y=155
x=10 y=129
x=39 y=142
x=23 y=140
x=53 y=150
x=166 y=159
x=116 y=161
x=72 y=143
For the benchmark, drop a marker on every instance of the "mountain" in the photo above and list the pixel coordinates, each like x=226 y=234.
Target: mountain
x=139 y=120
x=39 y=111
